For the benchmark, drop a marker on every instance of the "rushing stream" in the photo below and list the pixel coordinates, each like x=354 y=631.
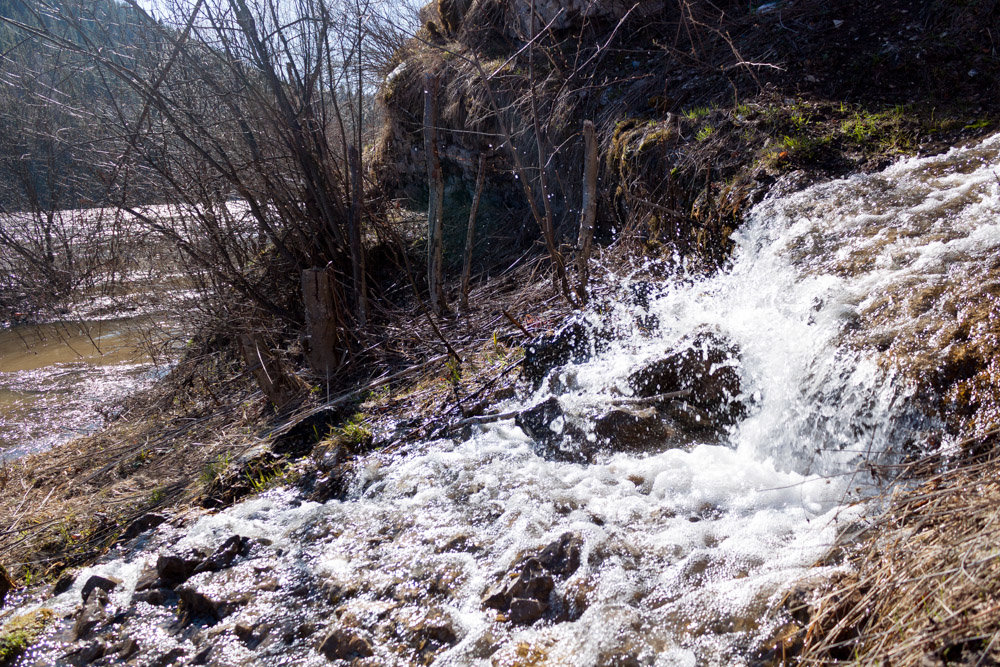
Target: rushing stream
x=675 y=555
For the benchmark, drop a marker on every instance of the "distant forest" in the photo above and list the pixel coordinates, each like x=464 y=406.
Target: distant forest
x=55 y=152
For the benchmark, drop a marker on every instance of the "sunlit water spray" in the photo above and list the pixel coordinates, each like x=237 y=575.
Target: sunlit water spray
x=684 y=552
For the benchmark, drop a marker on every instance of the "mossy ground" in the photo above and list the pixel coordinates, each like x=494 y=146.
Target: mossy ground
x=20 y=632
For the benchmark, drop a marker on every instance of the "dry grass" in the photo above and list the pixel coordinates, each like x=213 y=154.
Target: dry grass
x=66 y=506
x=926 y=588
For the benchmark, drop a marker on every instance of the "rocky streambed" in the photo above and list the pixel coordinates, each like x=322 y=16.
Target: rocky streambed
x=677 y=460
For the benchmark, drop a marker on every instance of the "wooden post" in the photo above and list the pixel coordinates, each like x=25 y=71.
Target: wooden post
x=321 y=322
x=357 y=249
x=471 y=232
x=588 y=213
x=435 y=200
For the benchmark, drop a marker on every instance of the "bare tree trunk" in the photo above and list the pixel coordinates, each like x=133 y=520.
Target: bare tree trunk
x=588 y=210
x=321 y=322
x=435 y=200
x=357 y=249
x=470 y=233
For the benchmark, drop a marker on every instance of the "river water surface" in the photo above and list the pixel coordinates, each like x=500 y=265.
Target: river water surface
x=684 y=551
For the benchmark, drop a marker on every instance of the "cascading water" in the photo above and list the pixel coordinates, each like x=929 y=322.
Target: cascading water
x=676 y=555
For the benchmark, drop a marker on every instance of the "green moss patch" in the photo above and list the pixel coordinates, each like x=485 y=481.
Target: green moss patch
x=20 y=632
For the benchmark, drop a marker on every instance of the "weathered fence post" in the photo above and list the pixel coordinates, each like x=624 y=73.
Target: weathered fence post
x=470 y=234
x=588 y=213
x=435 y=200
x=357 y=249
x=322 y=319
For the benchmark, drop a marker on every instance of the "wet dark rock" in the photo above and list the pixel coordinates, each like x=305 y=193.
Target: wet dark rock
x=217 y=595
x=142 y=524
x=627 y=429
x=525 y=611
x=705 y=367
x=127 y=648
x=530 y=582
x=6 y=584
x=155 y=596
x=559 y=436
x=148 y=579
x=174 y=569
x=336 y=591
x=575 y=342
x=224 y=555
x=90 y=615
x=562 y=557
x=428 y=634
x=332 y=484
x=173 y=656
x=91 y=652
x=106 y=584
x=342 y=643
x=63 y=583
x=171 y=570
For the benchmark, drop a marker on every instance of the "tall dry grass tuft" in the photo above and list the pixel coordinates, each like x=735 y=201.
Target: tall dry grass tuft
x=926 y=589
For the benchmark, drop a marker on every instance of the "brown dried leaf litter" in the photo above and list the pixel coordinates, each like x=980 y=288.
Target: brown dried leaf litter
x=926 y=588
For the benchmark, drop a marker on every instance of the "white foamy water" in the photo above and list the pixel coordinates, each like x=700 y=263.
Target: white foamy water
x=685 y=551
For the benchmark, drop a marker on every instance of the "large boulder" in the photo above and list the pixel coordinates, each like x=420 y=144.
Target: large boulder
x=706 y=366
x=636 y=430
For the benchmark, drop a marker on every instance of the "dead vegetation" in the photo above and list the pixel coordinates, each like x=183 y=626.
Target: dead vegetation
x=926 y=585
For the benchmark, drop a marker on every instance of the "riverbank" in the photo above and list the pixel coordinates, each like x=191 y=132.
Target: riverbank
x=679 y=174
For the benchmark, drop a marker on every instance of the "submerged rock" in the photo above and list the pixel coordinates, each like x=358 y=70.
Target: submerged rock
x=706 y=366
x=344 y=643
x=523 y=594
